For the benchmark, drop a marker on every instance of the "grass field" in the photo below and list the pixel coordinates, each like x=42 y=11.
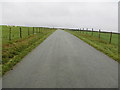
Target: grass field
x=15 y=49
x=101 y=44
x=104 y=36
x=15 y=32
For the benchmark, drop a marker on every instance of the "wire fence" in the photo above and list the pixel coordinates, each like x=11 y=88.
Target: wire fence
x=109 y=37
x=11 y=33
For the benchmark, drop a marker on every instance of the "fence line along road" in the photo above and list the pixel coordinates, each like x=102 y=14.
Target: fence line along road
x=92 y=31
x=10 y=33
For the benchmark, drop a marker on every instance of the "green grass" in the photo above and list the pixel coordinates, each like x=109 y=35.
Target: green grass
x=103 y=44
x=15 y=32
x=104 y=36
x=13 y=51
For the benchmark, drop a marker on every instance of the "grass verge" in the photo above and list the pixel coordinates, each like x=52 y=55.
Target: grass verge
x=12 y=53
x=109 y=49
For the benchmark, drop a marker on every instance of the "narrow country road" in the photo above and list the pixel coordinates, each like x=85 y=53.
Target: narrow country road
x=63 y=61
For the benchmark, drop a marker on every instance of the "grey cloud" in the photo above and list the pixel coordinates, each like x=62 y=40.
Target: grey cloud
x=62 y=14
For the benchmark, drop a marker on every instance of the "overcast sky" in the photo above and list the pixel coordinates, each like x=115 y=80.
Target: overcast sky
x=98 y=14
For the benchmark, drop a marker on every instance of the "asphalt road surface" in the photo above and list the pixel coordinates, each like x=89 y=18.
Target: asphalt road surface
x=63 y=61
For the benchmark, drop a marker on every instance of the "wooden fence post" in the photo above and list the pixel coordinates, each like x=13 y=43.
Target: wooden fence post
x=10 y=34
x=86 y=30
x=83 y=30
x=36 y=29
x=110 y=37
x=28 y=31
x=99 y=33
x=33 y=30
x=92 y=31
x=20 y=32
x=39 y=30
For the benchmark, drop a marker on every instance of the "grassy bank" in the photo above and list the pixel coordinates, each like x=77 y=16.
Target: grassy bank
x=15 y=50
x=13 y=33
x=100 y=44
x=103 y=36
